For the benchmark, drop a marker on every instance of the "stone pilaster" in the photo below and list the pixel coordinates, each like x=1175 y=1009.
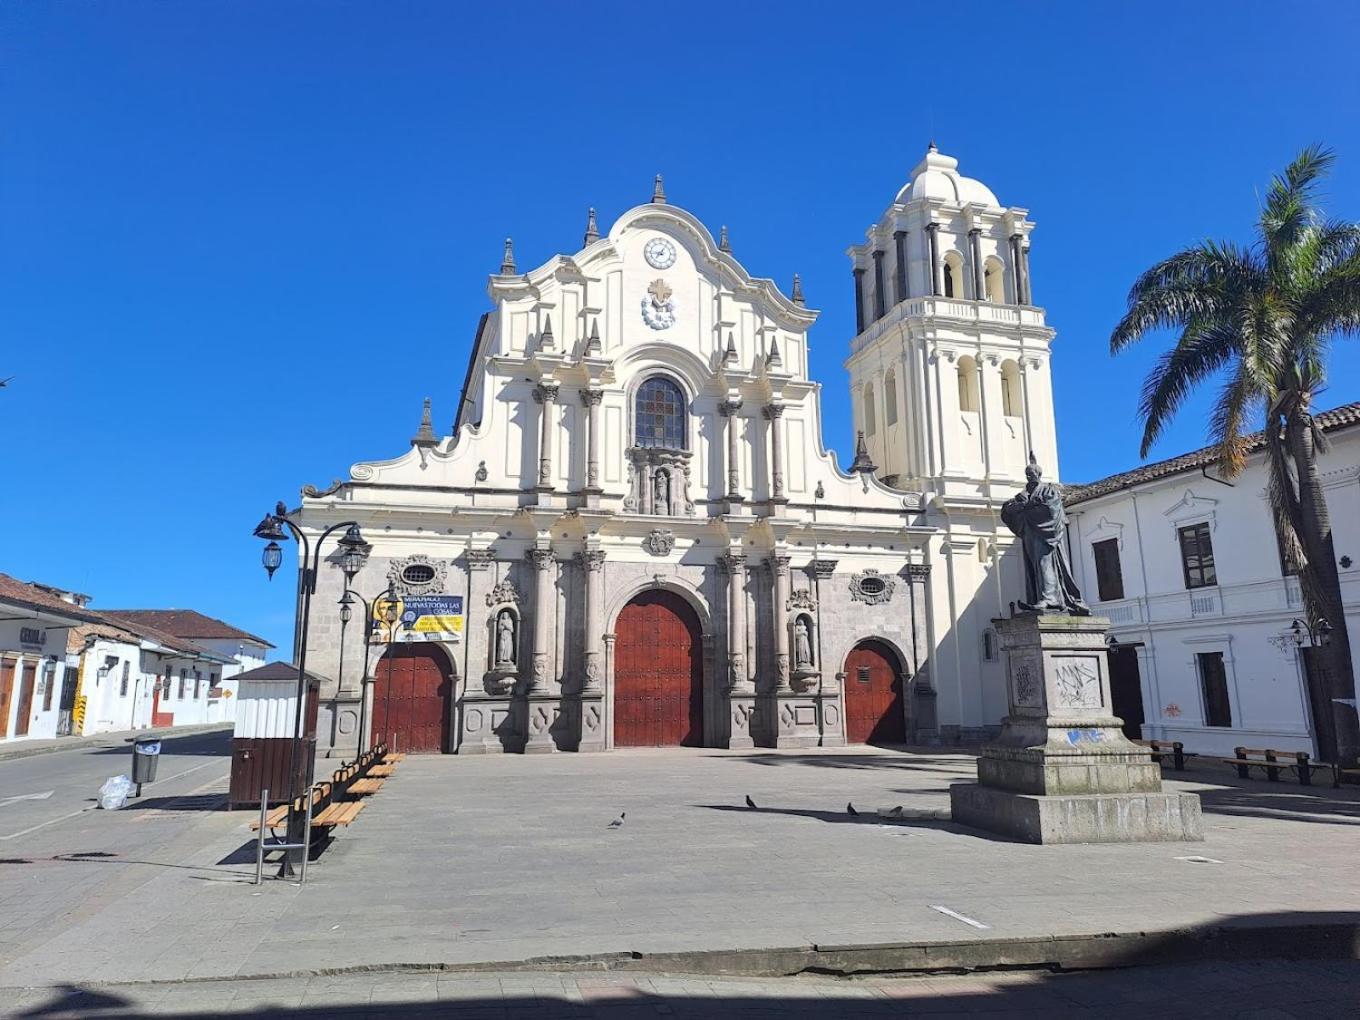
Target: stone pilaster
x=779 y=568
x=541 y=704
x=740 y=691
x=591 y=725
x=591 y=398
x=545 y=394
x=485 y=717
x=975 y=257
x=728 y=409
x=775 y=413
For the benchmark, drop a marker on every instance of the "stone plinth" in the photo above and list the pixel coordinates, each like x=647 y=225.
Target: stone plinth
x=1061 y=770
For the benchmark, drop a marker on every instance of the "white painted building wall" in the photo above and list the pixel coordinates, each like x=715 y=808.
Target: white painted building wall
x=1246 y=616
x=44 y=662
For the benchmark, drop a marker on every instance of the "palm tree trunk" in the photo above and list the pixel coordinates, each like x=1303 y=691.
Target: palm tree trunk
x=1322 y=587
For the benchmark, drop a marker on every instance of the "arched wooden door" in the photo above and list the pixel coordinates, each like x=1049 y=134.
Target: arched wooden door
x=411 y=699
x=658 y=673
x=873 y=696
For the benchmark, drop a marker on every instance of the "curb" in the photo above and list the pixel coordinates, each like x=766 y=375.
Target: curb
x=1111 y=950
x=104 y=740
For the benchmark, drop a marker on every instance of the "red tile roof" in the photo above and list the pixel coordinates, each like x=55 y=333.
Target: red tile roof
x=1337 y=418
x=184 y=623
x=30 y=596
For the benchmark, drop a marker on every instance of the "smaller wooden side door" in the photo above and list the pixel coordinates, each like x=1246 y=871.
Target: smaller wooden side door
x=873 y=696
x=22 y=718
x=6 y=692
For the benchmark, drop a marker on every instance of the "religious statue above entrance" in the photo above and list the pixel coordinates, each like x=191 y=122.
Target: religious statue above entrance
x=1037 y=517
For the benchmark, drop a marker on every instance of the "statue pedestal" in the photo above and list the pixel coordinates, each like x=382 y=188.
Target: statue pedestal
x=1061 y=770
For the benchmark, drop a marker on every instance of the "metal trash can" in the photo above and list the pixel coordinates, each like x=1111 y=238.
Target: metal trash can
x=146 y=752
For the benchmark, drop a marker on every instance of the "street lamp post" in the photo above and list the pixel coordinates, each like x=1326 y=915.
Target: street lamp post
x=352 y=553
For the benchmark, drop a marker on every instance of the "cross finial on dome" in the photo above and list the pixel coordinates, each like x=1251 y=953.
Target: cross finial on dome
x=658 y=192
x=592 y=231
x=798 y=289
x=508 y=259
x=932 y=146
x=723 y=243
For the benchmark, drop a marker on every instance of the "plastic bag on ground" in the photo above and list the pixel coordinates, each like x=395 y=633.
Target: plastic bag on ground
x=114 y=793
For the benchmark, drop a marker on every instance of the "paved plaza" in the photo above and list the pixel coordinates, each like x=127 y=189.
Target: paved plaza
x=485 y=861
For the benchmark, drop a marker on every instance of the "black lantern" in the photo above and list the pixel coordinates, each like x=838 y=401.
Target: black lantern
x=346 y=609
x=273 y=556
x=271 y=528
x=353 y=551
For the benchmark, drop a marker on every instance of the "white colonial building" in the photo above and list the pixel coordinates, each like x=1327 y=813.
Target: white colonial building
x=1213 y=645
x=634 y=534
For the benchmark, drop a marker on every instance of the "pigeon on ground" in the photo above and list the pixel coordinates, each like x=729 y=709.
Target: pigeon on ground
x=750 y=803
x=617 y=823
x=850 y=809
x=894 y=812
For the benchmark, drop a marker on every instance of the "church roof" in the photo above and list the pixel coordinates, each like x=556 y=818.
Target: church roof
x=1337 y=418
x=937 y=176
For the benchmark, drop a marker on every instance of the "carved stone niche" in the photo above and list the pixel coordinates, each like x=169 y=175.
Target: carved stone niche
x=503 y=643
x=805 y=670
x=659 y=482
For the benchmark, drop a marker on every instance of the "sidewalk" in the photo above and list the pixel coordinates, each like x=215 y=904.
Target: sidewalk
x=491 y=862
x=10 y=749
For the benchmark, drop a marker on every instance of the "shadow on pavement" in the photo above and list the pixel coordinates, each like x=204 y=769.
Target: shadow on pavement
x=1284 y=964
x=888 y=757
x=865 y=817
x=210 y=743
x=1276 y=800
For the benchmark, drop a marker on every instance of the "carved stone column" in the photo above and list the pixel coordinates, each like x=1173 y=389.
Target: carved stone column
x=933 y=246
x=900 y=249
x=482 y=712
x=592 y=684
x=728 y=409
x=859 y=300
x=546 y=395
x=880 y=299
x=779 y=567
x=591 y=399
x=975 y=257
x=541 y=707
x=740 y=690
x=775 y=413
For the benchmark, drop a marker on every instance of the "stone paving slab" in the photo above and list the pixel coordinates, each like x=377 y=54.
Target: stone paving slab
x=481 y=861
x=1258 y=991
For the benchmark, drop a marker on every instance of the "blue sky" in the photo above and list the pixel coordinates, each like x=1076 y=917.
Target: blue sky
x=240 y=241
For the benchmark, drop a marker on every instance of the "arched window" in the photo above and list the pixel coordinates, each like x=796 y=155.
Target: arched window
x=953 y=275
x=870 y=418
x=1012 y=398
x=968 y=384
x=994 y=277
x=660 y=418
x=890 y=398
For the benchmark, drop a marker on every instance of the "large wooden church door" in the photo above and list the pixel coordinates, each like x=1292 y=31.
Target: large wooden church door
x=658 y=673
x=873 y=696
x=411 y=700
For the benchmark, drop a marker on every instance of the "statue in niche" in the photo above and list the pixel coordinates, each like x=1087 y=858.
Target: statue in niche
x=802 y=644
x=505 y=638
x=1037 y=517
x=661 y=494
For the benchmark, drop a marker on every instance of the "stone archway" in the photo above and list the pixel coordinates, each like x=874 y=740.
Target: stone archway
x=412 y=699
x=875 y=711
x=658 y=672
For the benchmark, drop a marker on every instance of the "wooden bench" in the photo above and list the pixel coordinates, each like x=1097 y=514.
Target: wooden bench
x=338 y=813
x=364 y=787
x=1164 y=749
x=1351 y=772
x=1273 y=762
x=321 y=794
x=396 y=757
x=382 y=771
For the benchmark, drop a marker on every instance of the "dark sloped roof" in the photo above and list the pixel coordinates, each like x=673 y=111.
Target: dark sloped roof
x=275 y=671
x=165 y=638
x=185 y=623
x=1337 y=418
x=30 y=596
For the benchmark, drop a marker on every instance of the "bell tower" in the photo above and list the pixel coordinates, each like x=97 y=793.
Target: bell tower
x=949 y=368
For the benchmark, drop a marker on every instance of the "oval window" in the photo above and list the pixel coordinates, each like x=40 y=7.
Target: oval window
x=872 y=585
x=418 y=573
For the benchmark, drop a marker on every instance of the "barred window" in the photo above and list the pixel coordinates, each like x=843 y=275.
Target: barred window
x=660 y=419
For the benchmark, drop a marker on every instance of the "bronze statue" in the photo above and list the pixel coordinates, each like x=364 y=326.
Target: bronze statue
x=1037 y=517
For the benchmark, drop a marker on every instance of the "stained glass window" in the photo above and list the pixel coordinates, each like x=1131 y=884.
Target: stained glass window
x=660 y=417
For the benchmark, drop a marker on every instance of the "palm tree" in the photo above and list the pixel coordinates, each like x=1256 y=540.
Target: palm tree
x=1262 y=319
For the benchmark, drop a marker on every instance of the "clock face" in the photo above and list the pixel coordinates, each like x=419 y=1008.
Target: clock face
x=660 y=253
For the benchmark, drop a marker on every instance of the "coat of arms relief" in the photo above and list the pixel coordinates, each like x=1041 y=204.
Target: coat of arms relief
x=658 y=307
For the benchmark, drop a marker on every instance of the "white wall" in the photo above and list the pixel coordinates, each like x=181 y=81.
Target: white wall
x=30 y=659
x=1246 y=616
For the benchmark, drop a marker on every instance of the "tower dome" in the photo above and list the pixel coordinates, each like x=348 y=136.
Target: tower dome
x=937 y=176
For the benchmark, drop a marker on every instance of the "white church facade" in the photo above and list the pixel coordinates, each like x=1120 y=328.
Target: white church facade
x=634 y=535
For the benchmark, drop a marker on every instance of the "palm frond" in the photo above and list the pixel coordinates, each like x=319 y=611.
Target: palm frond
x=1202 y=350
x=1195 y=283
x=1289 y=207
x=1240 y=396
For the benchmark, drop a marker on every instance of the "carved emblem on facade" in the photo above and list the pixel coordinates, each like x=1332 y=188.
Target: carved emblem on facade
x=658 y=307
x=871 y=587
x=659 y=541
x=417 y=575
x=504 y=592
x=800 y=598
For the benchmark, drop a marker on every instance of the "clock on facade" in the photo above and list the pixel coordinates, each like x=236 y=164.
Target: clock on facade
x=659 y=253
